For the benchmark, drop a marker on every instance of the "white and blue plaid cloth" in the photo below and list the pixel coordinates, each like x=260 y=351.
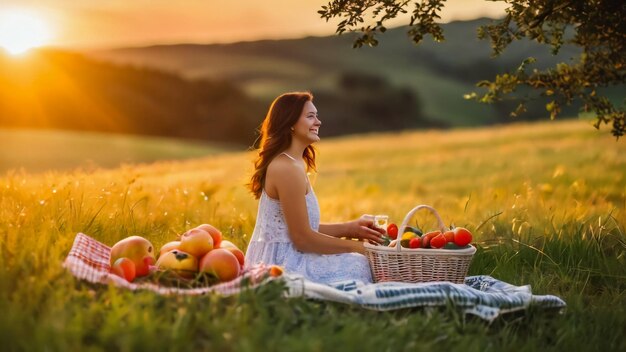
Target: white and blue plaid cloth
x=482 y=295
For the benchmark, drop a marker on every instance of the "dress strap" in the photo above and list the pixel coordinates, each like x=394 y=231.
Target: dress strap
x=289 y=156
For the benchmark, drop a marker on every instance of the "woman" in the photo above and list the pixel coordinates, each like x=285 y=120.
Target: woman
x=288 y=230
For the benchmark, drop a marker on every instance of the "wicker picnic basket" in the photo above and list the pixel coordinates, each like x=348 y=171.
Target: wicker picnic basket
x=421 y=264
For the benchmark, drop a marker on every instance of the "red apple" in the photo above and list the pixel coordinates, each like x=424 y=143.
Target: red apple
x=196 y=242
x=124 y=268
x=214 y=232
x=220 y=263
x=241 y=258
x=225 y=244
x=136 y=248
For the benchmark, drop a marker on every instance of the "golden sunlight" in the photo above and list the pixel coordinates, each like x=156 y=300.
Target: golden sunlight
x=21 y=30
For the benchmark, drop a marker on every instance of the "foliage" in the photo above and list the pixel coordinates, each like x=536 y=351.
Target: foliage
x=553 y=219
x=598 y=28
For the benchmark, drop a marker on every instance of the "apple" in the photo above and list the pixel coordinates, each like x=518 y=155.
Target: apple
x=124 y=268
x=168 y=247
x=221 y=264
x=241 y=258
x=214 y=232
x=136 y=248
x=196 y=242
x=184 y=264
x=226 y=244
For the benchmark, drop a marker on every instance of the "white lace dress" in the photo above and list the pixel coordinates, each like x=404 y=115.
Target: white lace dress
x=271 y=244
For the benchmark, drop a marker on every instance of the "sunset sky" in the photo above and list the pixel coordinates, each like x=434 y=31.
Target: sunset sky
x=110 y=23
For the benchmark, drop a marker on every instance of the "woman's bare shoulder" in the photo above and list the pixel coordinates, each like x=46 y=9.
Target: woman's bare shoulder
x=282 y=165
x=283 y=170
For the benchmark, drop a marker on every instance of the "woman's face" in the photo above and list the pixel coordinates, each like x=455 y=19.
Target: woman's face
x=308 y=125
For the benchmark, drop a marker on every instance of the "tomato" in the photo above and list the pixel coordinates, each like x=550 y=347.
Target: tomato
x=406 y=238
x=415 y=242
x=438 y=241
x=462 y=236
x=427 y=237
x=276 y=271
x=392 y=231
x=449 y=235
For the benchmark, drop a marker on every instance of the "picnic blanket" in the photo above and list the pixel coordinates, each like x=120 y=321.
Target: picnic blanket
x=481 y=295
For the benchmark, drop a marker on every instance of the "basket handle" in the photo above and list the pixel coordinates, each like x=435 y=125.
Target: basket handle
x=408 y=216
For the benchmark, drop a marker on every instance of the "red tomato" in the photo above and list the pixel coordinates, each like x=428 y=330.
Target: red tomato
x=449 y=235
x=438 y=241
x=415 y=242
x=427 y=237
x=392 y=231
x=462 y=236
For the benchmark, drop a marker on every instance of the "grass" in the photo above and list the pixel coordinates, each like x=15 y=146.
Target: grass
x=546 y=203
x=44 y=150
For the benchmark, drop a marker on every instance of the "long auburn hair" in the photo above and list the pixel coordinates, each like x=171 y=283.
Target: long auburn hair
x=276 y=136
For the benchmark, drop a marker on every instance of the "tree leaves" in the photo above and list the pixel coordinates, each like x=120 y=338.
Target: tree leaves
x=596 y=26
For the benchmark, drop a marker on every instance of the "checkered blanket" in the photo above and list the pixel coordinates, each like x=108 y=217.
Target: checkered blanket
x=482 y=296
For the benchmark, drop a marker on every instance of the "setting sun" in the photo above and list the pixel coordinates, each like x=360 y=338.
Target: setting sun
x=21 y=31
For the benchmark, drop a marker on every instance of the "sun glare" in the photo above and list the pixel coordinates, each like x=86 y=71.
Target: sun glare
x=21 y=31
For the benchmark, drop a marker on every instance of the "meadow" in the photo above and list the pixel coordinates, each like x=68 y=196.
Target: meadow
x=546 y=203
x=37 y=151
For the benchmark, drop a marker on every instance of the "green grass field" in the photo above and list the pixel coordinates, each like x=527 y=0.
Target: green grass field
x=44 y=150
x=546 y=203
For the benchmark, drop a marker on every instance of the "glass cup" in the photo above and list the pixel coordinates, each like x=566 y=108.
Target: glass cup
x=381 y=221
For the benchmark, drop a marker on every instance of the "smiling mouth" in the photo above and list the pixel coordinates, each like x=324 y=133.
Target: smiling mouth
x=314 y=131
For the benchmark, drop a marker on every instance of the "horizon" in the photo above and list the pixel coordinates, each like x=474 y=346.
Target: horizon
x=117 y=24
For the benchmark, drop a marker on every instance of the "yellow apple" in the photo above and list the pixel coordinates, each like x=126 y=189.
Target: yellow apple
x=226 y=244
x=196 y=242
x=168 y=247
x=136 y=248
x=184 y=264
x=214 y=232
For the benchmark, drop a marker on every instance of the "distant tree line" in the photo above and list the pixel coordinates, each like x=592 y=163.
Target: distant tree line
x=363 y=102
x=55 y=89
x=63 y=90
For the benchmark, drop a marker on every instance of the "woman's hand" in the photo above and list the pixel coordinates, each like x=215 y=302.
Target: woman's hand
x=364 y=229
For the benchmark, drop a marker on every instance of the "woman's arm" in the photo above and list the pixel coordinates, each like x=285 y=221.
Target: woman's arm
x=288 y=179
x=362 y=228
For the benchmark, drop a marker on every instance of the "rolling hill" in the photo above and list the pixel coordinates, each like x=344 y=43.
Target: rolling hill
x=437 y=74
x=53 y=89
